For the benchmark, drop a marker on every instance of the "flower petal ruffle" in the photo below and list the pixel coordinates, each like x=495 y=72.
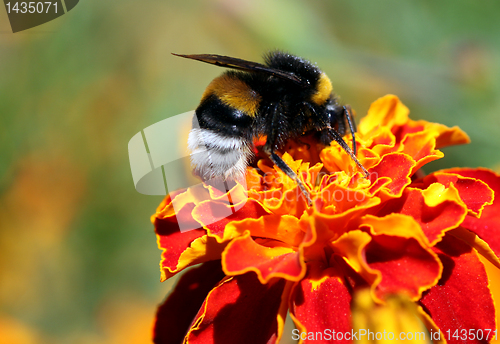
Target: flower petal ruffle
x=267 y=259
x=436 y=209
x=400 y=253
x=241 y=310
x=475 y=193
x=391 y=175
x=214 y=216
x=487 y=227
x=170 y=239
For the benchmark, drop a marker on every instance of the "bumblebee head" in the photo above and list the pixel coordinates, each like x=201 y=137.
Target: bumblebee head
x=330 y=120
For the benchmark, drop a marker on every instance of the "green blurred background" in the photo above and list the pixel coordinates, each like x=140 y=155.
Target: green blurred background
x=78 y=255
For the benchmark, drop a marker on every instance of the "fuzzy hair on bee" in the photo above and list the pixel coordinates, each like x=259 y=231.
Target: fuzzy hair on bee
x=282 y=99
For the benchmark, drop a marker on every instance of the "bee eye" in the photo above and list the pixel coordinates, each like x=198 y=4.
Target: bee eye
x=329 y=116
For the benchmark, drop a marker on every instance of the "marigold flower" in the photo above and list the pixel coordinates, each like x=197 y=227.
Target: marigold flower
x=396 y=233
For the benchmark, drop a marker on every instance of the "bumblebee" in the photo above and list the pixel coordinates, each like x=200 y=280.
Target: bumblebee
x=284 y=98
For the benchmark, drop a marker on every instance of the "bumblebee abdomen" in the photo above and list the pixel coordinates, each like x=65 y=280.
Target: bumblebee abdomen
x=213 y=114
x=220 y=140
x=214 y=155
x=235 y=93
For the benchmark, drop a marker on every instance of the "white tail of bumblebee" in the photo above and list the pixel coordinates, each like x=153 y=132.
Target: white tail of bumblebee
x=161 y=162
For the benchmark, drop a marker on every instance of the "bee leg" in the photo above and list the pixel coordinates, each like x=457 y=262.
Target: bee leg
x=348 y=150
x=276 y=159
x=352 y=126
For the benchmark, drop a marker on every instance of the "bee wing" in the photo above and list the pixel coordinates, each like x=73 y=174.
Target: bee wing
x=247 y=66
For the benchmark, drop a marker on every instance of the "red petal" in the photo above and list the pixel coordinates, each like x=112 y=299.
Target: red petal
x=243 y=254
x=477 y=243
x=215 y=216
x=402 y=132
x=461 y=300
x=172 y=241
x=474 y=193
x=434 y=220
x=395 y=166
x=177 y=312
x=487 y=227
x=321 y=303
x=405 y=266
x=241 y=310
x=170 y=219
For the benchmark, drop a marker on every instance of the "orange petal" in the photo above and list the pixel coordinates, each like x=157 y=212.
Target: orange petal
x=383 y=142
x=243 y=254
x=175 y=211
x=448 y=136
x=401 y=132
x=335 y=159
x=404 y=265
x=351 y=247
x=284 y=228
x=421 y=147
x=328 y=225
x=337 y=198
x=202 y=249
x=387 y=111
x=291 y=201
x=254 y=179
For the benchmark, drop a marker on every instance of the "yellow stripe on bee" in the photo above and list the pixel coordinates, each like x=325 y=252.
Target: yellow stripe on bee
x=323 y=90
x=235 y=93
